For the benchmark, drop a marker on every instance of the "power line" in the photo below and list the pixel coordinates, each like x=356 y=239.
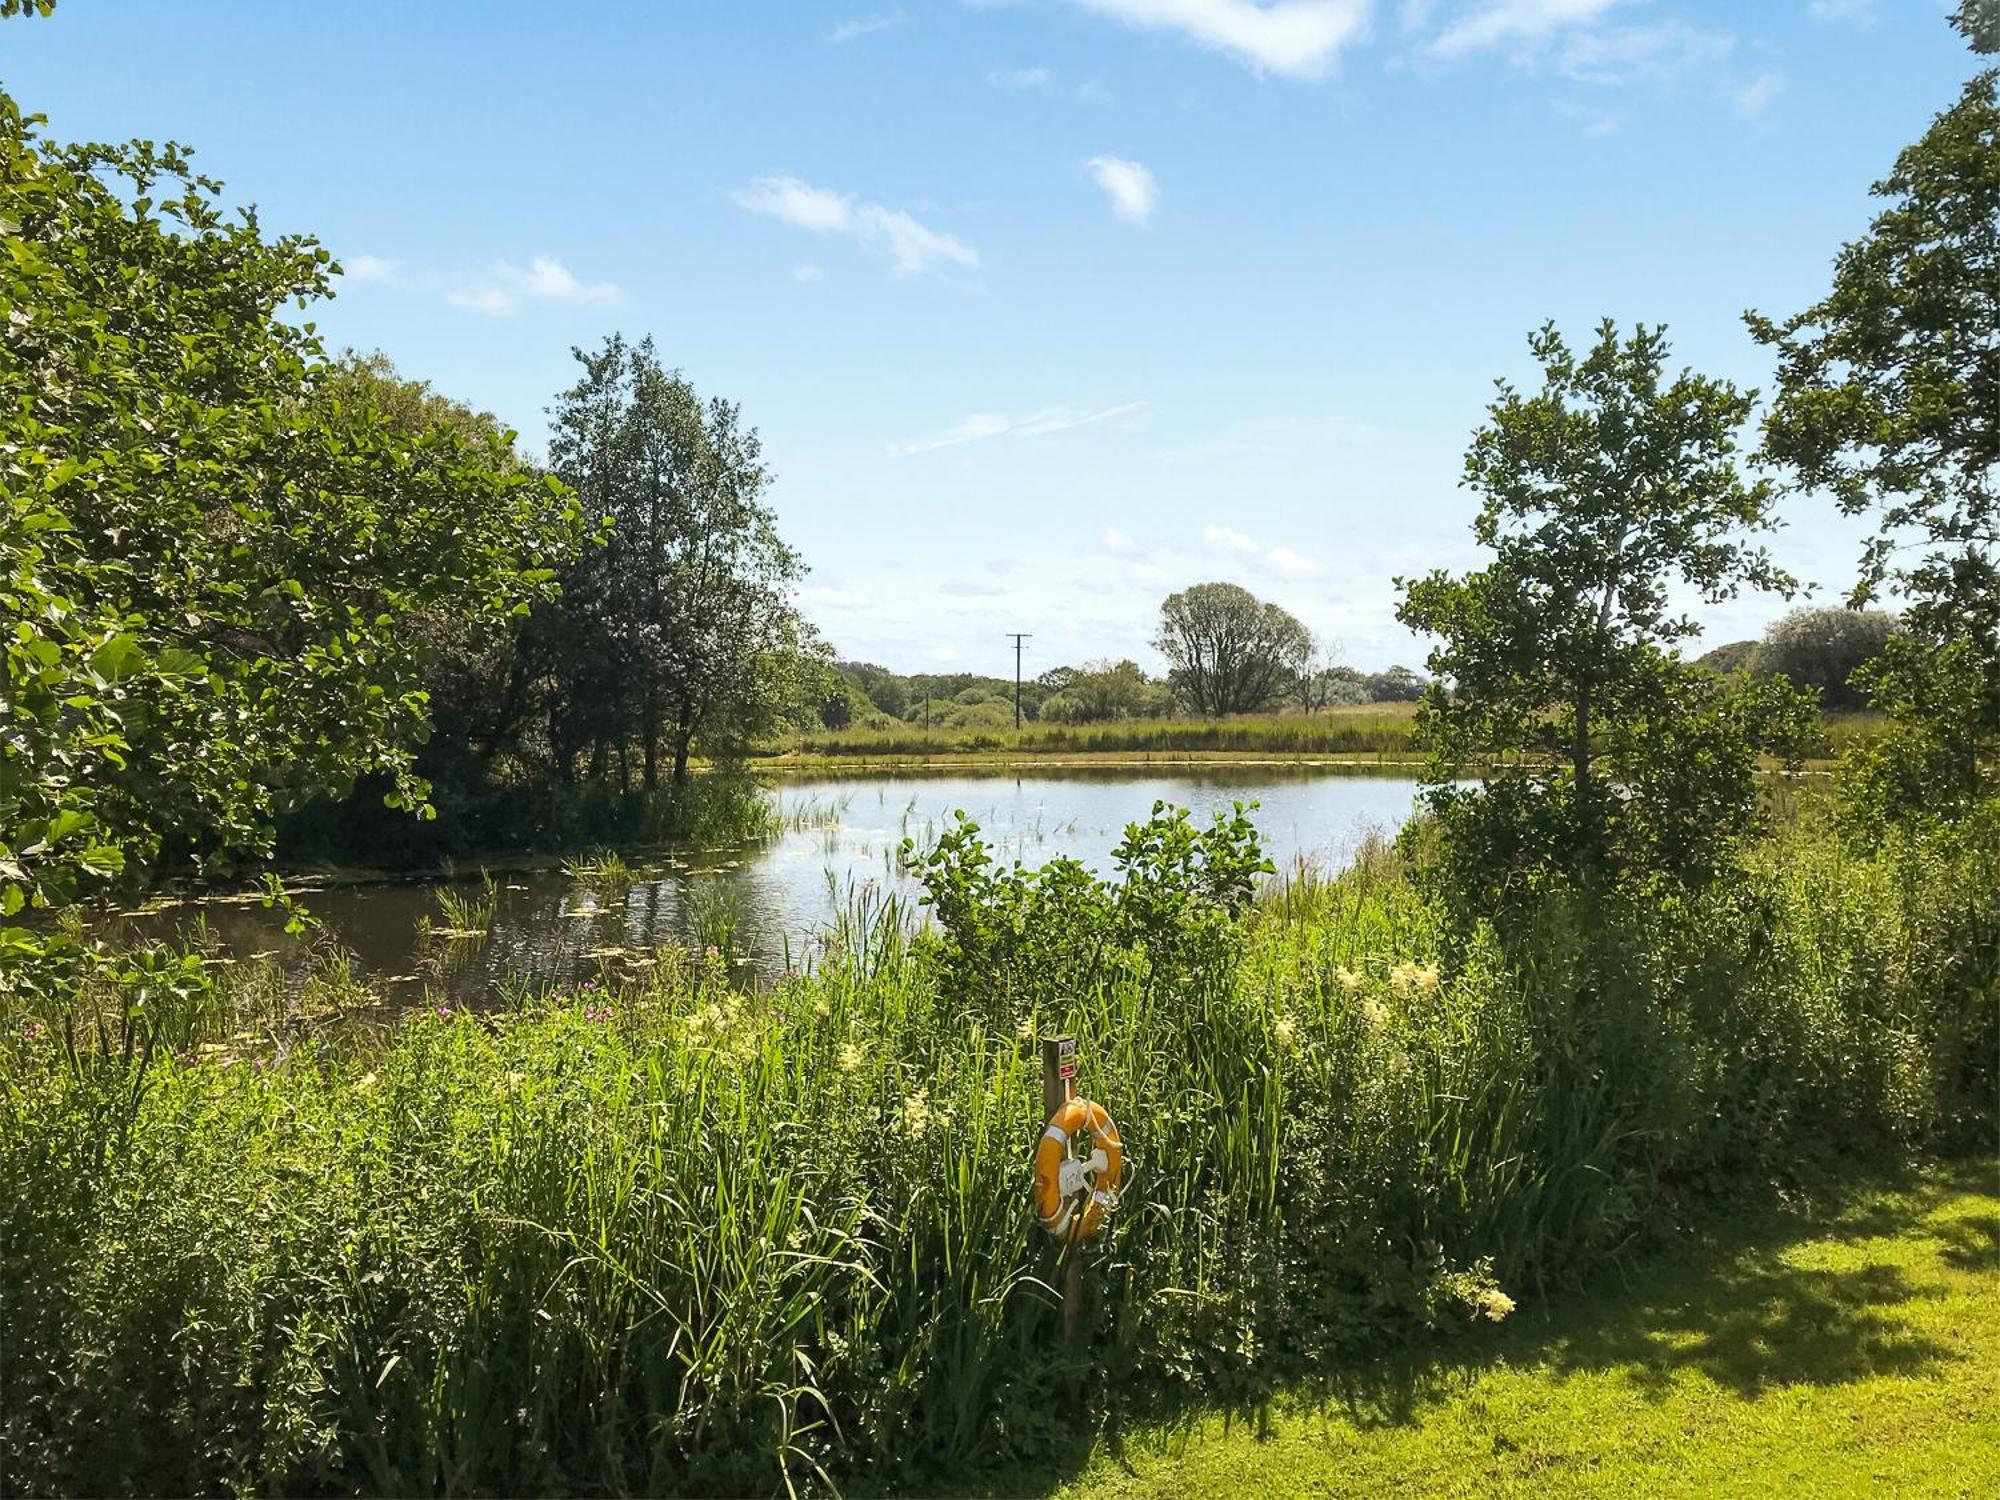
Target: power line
x=1018 y=636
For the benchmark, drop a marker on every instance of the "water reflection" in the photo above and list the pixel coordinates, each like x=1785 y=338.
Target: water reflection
x=768 y=903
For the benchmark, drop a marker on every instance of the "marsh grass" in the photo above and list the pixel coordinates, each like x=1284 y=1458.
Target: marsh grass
x=669 y=1235
x=1378 y=730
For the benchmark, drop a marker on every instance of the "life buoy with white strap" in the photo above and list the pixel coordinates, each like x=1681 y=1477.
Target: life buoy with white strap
x=1075 y=1194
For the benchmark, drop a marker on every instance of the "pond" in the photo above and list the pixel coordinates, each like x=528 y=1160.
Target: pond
x=770 y=903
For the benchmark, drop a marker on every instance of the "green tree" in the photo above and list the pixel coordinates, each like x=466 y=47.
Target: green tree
x=1979 y=22
x=1602 y=753
x=1889 y=400
x=1824 y=651
x=1230 y=652
x=1103 y=692
x=682 y=625
x=1397 y=685
x=213 y=551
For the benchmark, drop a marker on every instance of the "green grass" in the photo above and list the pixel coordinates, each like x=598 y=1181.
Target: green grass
x=667 y=1236
x=1851 y=1352
x=1372 y=733
x=1377 y=730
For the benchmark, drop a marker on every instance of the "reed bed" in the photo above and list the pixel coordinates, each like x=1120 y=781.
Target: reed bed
x=672 y=1237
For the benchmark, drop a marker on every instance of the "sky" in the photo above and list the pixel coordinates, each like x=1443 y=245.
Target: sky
x=1046 y=308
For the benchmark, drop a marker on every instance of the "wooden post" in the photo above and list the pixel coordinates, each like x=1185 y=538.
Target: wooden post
x=1058 y=1087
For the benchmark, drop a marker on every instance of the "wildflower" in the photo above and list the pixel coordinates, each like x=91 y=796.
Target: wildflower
x=713 y=953
x=443 y=1012
x=849 y=1057
x=1286 y=1030
x=916 y=1113
x=1025 y=1027
x=821 y=1008
x=1349 y=980
x=1410 y=980
x=1376 y=1013
x=365 y=1082
x=1494 y=1304
x=514 y=1081
x=33 y=1030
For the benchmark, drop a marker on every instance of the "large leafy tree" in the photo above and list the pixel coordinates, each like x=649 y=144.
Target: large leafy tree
x=1889 y=399
x=683 y=625
x=1604 y=495
x=212 y=550
x=1230 y=652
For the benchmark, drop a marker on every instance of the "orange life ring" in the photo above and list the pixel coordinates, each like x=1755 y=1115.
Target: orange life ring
x=1065 y=1182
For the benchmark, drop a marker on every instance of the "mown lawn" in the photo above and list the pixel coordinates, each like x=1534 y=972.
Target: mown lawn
x=1851 y=1350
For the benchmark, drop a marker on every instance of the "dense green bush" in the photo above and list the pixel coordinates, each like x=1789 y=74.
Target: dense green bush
x=684 y=1239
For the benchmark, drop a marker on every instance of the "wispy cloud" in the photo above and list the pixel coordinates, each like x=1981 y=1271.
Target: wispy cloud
x=501 y=288
x=1036 y=80
x=850 y=31
x=371 y=268
x=806 y=273
x=982 y=425
x=1047 y=82
x=1293 y=38
x=1499 y=22
x=1754 y=97
x=1287 y=563
x=1281 y=562
x=910 y=246
x=1228 y=539
x=1842 y=10
x=1130 y=185
x=497 y=289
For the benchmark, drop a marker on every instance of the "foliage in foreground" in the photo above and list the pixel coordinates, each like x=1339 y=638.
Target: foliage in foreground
x=679 y=1238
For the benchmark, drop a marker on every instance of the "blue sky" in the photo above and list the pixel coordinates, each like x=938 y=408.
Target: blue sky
x=1047 y=307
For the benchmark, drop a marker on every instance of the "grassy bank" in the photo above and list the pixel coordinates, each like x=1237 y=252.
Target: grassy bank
x=1373 y=734
x=1840 y=1347
x=661 y=1235
x=1382 y=730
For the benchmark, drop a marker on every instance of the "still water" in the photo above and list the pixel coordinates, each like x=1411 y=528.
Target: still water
x=770 y=903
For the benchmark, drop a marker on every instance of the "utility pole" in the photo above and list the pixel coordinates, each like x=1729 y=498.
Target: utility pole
x=1018 y=637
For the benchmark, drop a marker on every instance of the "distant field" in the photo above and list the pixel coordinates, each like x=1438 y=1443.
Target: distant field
x=1382 y=729
x=1377 y=731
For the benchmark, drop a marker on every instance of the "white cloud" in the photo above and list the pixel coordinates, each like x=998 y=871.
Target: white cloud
x=1130 y=185
x=806 y=273
x=1228 y=539
x=989 y=424
x=1593 y=122
x=501 y=288
x=1115 y=540
x=1294 y=38
x=1842 y=10
x=1499 y=21
x=970 y=588
x=1037 y=79
x=849 y=31
x=911 y=247
x=1631 y=54
x=371 y=268
x=1755 y=96
x=1144 y=575
x=496 y=289
x=1289 y=564
x=1282 y=562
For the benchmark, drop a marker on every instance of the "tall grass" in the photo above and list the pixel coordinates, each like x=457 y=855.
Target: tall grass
x=1377 y=730
x=681 y=1238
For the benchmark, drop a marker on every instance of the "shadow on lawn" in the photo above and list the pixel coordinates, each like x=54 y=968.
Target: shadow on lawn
x=1731 y=1306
